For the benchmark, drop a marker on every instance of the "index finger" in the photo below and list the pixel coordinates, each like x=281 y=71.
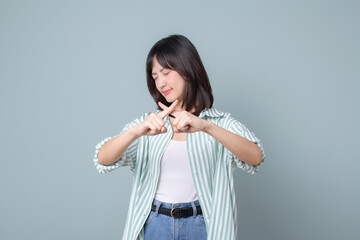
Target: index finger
x=168 y=110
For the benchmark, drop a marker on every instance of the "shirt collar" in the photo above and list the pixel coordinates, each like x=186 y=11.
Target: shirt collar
x=212 y=112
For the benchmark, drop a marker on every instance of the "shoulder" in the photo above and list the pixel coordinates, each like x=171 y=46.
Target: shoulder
x=214 y=113
x=220 y=118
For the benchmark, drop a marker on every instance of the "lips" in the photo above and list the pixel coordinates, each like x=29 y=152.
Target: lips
x=166 y=92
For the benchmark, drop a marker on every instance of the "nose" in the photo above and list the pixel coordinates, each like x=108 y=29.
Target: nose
x=161 y=81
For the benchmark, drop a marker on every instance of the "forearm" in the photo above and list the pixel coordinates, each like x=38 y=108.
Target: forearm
x=113 y=150
x=242 y=148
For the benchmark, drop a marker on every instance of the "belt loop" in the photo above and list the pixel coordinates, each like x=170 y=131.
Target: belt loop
x=194 y=209
x=158 y=204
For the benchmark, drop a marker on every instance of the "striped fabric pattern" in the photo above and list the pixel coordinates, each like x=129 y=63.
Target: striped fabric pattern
x=212 y=170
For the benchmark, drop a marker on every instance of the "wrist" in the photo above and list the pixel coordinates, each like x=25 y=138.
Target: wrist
x=207 y=126
x=134 y=133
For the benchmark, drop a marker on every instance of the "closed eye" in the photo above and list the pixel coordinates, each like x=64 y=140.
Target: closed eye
x=162 y=73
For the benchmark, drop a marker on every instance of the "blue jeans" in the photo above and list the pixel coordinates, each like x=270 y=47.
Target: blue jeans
x=163 y=227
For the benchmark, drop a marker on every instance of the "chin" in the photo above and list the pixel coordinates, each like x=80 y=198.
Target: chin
x=170 y=99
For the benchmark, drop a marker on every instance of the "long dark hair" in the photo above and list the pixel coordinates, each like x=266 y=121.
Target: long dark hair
x=176 y=52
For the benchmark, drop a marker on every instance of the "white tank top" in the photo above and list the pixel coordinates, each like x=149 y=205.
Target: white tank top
x=175 y=180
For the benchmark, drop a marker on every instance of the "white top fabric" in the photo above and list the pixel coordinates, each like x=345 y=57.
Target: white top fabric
x=176 y=183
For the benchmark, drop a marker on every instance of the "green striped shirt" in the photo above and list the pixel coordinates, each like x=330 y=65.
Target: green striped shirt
x=211 y=166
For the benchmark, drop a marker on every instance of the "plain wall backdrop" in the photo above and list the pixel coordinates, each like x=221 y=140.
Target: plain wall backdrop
x=73 y=73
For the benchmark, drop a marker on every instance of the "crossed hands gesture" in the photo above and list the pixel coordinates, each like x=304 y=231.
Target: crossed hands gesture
x=184 y=122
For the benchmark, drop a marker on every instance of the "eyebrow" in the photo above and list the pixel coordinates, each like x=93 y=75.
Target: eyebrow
x=156 y=73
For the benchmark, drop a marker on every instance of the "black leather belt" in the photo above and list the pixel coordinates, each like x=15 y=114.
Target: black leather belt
x=177 y=212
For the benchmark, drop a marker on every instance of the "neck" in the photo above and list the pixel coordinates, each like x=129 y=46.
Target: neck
x=179 y=109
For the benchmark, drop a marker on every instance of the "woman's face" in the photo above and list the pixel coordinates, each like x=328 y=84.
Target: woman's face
x=168 y=82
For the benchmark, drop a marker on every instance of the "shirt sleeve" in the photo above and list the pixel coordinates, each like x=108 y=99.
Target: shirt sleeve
x=240 y=129
x=129 y=156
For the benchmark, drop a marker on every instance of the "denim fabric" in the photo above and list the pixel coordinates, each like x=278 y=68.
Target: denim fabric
x=163 y=227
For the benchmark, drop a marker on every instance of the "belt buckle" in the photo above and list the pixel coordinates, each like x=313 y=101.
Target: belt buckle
x=172 y=212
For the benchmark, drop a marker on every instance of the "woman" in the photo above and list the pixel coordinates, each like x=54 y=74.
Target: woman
x=182 y=155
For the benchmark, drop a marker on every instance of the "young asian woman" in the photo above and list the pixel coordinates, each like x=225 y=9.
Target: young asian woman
x=183 y=154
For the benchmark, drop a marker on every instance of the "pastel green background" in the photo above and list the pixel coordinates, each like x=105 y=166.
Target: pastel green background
x=73 y=73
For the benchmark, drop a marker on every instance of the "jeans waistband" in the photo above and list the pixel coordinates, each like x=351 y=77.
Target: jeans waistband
x=159 y=204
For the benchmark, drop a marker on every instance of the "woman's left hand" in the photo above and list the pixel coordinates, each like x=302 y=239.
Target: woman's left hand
x=187 y=122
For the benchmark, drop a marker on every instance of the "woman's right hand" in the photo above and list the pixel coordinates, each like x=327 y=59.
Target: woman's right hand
x=154 y=123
